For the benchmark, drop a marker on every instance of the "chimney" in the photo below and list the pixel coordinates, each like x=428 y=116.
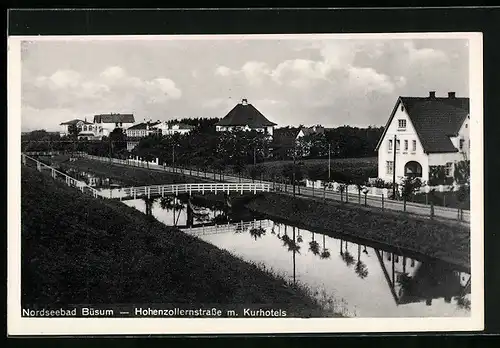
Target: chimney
x=451 y=95
x=244 y=101
x=432 y=94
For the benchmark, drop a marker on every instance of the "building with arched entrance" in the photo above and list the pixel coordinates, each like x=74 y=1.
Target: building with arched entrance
x=423 y=133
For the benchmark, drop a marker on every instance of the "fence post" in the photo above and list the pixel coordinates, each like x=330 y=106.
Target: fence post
x=382 y=201
x=404 y=204
x=432 y=210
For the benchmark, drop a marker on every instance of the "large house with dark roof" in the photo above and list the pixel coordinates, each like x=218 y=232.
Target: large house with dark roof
x=108 y=122
x=246 y=117
x=423 y=132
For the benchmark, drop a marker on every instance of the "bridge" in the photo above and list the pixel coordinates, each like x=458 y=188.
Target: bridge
x=149 y=191
x=226 y=228
x=189 y=188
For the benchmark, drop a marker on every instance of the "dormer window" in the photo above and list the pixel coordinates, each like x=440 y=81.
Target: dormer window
x=401 y=124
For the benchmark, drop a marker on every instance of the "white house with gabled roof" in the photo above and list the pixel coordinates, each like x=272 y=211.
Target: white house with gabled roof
x=423 y=132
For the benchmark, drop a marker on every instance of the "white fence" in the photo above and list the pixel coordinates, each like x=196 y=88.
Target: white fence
x=375 y=191
x=56 y=174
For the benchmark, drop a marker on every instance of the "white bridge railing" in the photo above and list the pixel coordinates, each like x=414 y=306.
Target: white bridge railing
x=162 y=190
x=236 y=227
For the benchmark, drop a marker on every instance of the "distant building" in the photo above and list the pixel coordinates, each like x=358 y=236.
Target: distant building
x=132 y=143
x=246 y=117
x=143 y=129
x=169 y=129
x=108 y=122
x=424 y=132
x=304 y=131
x=66 y=126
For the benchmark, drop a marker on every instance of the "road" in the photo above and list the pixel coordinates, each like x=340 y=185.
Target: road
x=308 y=192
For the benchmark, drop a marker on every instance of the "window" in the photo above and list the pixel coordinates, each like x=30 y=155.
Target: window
x=397 y=144
x=389 y=167
x=402 y=107
x=414 y=145
x=466 y=125
x=390 y=144
x=406 y=145
x=461 y=146
x=448 y=169
x=401 y=123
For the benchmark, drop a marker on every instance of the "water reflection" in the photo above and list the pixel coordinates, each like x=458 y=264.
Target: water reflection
x=373 y=282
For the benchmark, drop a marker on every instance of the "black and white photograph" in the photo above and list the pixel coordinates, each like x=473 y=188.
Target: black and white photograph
x=245 y=183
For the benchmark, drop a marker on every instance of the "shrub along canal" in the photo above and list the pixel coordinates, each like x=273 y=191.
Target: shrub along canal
x=365 y=279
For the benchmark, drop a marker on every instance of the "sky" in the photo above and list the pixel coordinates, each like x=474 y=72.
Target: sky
x=328 y=81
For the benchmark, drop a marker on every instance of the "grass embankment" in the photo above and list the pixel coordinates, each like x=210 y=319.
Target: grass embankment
x=355 y=167
x=450 y=243
x=127 y=175
x=81 y=250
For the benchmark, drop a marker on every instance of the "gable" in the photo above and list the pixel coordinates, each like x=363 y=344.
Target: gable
x=435 y=120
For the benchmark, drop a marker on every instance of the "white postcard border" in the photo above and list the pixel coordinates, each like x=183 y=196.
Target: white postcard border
x=16 y=325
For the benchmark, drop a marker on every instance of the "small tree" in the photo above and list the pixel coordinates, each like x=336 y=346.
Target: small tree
x=462 y=179
x=360 y=185
x=293 y=173
x=315 y=173
x=238 y=169
x=409 y=185
x=255 y=172
x=73 y=130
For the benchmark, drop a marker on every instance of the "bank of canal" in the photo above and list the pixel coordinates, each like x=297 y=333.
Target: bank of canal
x=77 y=249
x=365 y=279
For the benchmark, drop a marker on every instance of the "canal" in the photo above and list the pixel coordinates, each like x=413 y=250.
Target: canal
x=362 y=279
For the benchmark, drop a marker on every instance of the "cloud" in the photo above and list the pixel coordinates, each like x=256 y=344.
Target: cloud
x=113 y=73
x=61 y=79
x=369 y=80
x=225 y=71
x=110 y=89
x=424 y=55
x=255 y=72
